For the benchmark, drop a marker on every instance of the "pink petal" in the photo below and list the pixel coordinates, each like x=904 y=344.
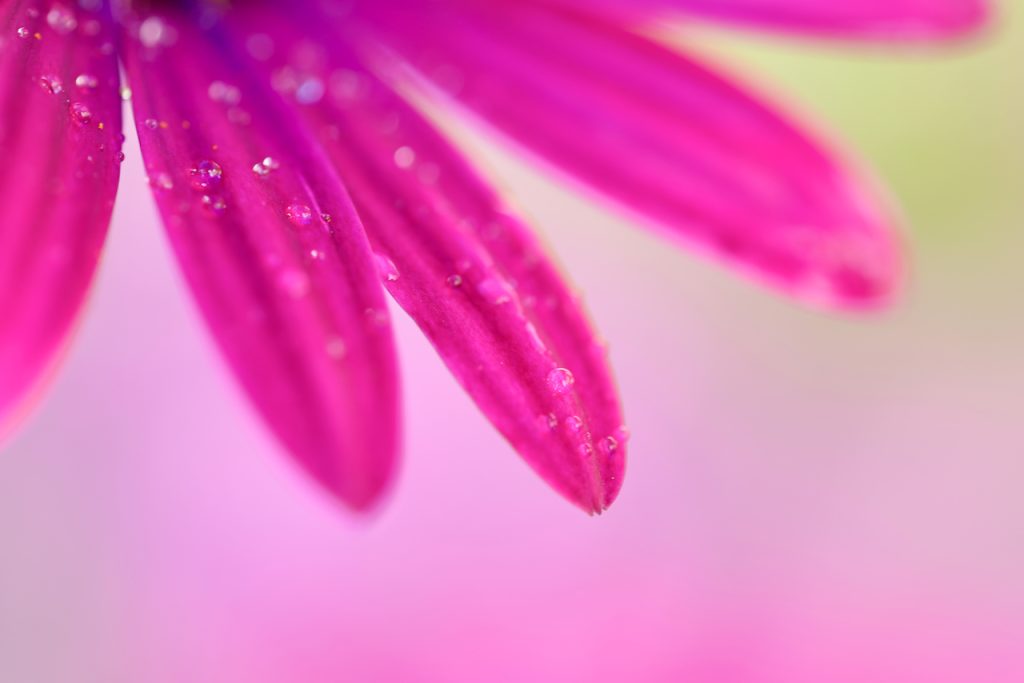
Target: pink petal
x=895 y=20
x=470 y=274
x=273 y=250
x=666 y=138
x=60 y=141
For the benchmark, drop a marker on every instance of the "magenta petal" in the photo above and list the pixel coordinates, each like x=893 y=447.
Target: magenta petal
x=60 y=140
x=666 y=138
x=274 y=252
x=471 y=276
x=895 y=20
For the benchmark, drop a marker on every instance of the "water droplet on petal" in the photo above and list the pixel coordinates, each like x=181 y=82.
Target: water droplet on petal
x=219 y=91
x=495 y=291
x=310 y=90
x=386 y=268
x=51 y=84
x=405 y=157
x=299 y=214
x=608 y=445
x=161 y=181
x=454 y=280
x=573 y=424
x=560 y=380
x=153 y=32
x=214 y=204
x=206 y=174
x=264 y=168
x=622 y=434
x=260 y=46
x=86 y=81
x=80 y=113
x=61 y=19
x=24 y=32
x=547 y=422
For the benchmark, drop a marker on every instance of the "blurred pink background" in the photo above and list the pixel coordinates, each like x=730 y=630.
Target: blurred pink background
x=809 y=498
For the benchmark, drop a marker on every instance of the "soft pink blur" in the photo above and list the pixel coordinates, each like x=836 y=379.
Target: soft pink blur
x=808 y=498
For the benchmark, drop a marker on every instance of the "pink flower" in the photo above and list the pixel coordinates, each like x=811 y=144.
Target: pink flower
x=295 y=179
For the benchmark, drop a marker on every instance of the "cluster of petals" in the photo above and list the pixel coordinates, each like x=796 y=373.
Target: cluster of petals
x=299 y=182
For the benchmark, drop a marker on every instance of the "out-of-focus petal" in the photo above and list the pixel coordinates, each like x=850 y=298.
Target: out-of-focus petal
x=469 y=273
x=60 y=127
x=273 y=250
x=895 y=20
x=665 y=137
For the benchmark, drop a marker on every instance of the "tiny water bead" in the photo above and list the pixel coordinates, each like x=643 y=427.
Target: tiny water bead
x=405 y=157
x=214 y=204
x=608 y=445
x=560 y=380
x=454 y=280
x=299 y=214
x=152 y=124
x=161 y=181
x=61 y=19
x=310 y=90
x=86 y=81
x=51 y=84
x=386 y=267
x=24 y=32
x=80 y=113
x=206 y=175
x=264 y=168
x=219 y=91
x=495 y=291
x=574 y=424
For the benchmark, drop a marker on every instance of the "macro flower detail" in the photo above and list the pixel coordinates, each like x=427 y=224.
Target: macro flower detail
x=298 y=181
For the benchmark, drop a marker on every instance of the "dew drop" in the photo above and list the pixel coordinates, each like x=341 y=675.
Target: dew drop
x=214 y=204
x=405 y=157
x=91 y=27
x=265 y=167
x=560 y=380
x=80 y=113
x=51 y=84
x=622 y=434
x=299 y=214
x=161 y=181
x=608 y=445
x=61 y=19
x=386 y=267
x=495 y=291
x=206 y=174
x=219 y=91
x=153 y=32
x=24 y=32
x=574 y=424
x=310 y=90
x=454 y=280
x=86 y=81
x=260 y=46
